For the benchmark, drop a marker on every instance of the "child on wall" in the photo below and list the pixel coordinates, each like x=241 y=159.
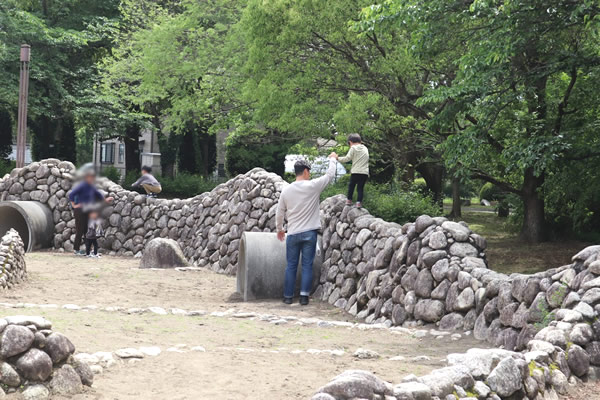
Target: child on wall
x=94 y=232
x=359 y=156
x=148 y=182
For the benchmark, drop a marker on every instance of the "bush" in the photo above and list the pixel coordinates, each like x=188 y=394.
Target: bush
x=186 y=185
x=112 y=173
x=490 y=192
x=389 y=203
x=6 y=167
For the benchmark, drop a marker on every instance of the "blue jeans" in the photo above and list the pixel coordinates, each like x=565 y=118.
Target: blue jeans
x=304 y=243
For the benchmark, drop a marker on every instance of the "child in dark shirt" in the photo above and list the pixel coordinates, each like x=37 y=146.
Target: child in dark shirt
x=94 y=232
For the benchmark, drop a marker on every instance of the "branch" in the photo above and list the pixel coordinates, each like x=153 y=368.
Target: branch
x=563 y=104
x=502 y=185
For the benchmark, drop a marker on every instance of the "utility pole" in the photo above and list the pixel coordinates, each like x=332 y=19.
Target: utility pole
x=23 y=93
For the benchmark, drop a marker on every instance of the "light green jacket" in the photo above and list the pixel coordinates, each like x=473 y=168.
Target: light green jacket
x=359 y=155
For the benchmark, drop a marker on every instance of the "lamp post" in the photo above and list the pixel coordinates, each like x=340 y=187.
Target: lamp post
x=23 y=93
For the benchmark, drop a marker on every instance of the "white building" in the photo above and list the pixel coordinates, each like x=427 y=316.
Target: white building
x=111 y=152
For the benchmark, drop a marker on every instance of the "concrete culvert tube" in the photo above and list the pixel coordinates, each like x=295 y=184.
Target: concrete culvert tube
x=33 y=221
x=262 y=263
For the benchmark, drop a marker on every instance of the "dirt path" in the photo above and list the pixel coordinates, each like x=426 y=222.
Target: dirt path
x=243 y=358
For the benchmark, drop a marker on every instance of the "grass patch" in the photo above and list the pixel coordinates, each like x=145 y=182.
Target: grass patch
x=507 y=253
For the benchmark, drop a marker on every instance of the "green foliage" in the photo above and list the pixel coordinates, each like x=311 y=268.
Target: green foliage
x=490 y=192
x=112 y=173
x=256 y=148
x=186 y=185
x=182 y=186
x=389 y=203
x=6 y=167
x=6 y=130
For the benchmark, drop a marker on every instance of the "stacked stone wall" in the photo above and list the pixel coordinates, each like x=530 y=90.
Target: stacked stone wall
x=207 y=227
x=12 y=260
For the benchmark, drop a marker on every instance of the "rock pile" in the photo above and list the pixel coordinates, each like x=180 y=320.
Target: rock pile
x=208 y=227
x=12 y=261
x=37 y=361
x=545 y=325
x=432 y=270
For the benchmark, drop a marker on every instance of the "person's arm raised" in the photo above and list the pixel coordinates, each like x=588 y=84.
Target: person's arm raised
x=347 y=157
x=326 y=179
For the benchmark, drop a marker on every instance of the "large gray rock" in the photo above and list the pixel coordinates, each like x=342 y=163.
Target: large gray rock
x=65 y=381
x=15 y=340
x=458 y=231
x=58 y=347
x=35 y=365
x=412 y=391
x=36 y=392
x=163 y=253
x=579 y=360
x=429 y=310
x=505 y=379
x=8 y=375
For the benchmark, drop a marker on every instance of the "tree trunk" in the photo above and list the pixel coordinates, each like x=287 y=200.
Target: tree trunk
x=456 y=201
x=132 y=148
x=433 y=174
x=533 y=230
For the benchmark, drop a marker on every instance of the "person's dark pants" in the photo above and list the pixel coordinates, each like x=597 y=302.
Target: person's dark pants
x=358 y=181
x=89 y=243
x=304 y=243
x=81 y=222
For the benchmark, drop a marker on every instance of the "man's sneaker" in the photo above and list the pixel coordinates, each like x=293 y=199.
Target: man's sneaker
x=358 y=204
x=79 y=253
x=288 y=300
x=348 y=202
x=303 y=300
x=98 y=255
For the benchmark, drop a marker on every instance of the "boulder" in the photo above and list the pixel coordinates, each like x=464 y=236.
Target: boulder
x=15 y=340
x=163 y=253
x=65 y=381
x=35 y=365
x=58 y=347
x=505 y=379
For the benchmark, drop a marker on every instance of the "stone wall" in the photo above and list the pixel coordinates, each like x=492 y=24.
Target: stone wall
x=207 y=227
x=12 y=261
x=38 y=362
x=545 y=325
x=432 y=270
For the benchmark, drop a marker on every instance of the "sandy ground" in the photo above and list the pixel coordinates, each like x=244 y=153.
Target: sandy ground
x=244 y=359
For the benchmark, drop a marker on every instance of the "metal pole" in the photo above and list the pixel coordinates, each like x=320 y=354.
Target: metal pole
x=22 y=117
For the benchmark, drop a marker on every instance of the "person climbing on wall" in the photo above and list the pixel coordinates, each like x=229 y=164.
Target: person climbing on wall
x=359 y=156
x=84 y=198
x=148 y=182
x=299 y=204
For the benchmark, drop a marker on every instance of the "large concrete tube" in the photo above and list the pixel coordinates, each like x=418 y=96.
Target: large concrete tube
x=262 y=263
x=33 y=221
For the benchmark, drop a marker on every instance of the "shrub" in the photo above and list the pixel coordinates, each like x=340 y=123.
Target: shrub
x=388 y=202
x=186 y=185
x=6 y=167
x=490 y=192
x=112 y=173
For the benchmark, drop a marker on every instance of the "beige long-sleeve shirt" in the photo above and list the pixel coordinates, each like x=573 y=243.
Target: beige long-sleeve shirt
x=299 y=203
x=359 y=155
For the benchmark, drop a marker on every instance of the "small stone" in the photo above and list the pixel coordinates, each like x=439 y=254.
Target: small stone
x=505 y=379
x=365 y=354
x=35 y=365
x=129 y=352
x=58 y=347
x=8 y=375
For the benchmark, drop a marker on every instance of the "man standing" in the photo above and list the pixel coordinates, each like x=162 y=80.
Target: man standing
x=83 y=197
x=299 y=204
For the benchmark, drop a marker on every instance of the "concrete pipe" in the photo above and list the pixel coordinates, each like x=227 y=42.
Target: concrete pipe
x=262 y=263
x=33 y=221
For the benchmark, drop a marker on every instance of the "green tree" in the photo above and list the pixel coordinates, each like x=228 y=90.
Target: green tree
x=519 y=102
x=6 y=131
